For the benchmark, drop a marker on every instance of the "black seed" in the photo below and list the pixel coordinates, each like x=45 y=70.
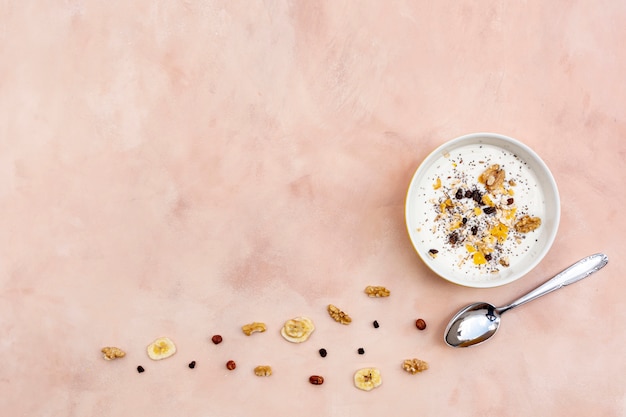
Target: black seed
x=140 y=369
x=433 y=251
x=489 y=210
x=375 y=324
x=192 y=364
x=361 y=351
x=476 y=196
x=474 y=230
x=323 y=352
x=459 y=194
x=468 y=194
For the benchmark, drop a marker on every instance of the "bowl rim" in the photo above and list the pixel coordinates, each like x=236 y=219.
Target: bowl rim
x=550 y=187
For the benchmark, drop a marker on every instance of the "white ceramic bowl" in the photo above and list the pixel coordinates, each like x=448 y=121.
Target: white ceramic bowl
x=457 y=164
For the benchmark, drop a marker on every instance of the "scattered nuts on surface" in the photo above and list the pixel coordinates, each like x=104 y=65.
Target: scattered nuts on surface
x=263 y=370
x=192 y=364
x=230 y=365
x=111 y=353
x=527 y=224
x=140 y=369
x=420 y=324
x=338 y=315
x=217 y=339
x=323 y=352
x=316 y=380
x=297 y=330
x=414 y=366
x=248 y=329
x=377 y=291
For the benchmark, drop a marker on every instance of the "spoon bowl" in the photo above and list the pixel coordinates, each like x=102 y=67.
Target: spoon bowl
x=478 y=322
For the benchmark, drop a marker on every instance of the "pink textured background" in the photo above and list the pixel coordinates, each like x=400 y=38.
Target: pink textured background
x=182 y=168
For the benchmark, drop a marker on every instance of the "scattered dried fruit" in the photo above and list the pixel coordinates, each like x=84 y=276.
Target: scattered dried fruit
x=338 y=315
x=414 y=366
x=433 y=253
x=367 y=379
x=140 y=369
x=253 y=327
x=361 y=351
x=217 y=339
x=377 y=291
x=263 y=370
x=192 y=364
x=376 y=325
x=420 y=324
x=323 y=352
x=297 y=330
x=111 y=353
x=316 y=380
x=230 y=365
x=161 y=348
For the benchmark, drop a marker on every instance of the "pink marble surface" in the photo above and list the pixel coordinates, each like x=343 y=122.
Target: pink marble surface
x=182 y=168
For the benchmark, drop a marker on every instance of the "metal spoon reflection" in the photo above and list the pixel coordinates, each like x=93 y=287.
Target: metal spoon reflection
x=477 y=322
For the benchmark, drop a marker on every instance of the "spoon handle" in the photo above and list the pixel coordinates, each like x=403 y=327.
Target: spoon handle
x=581 y=269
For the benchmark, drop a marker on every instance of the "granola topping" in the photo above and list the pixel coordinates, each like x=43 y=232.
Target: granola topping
x=481 y=211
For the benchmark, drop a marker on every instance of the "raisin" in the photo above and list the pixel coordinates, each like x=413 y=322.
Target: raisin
x=459 y=194
x=468 y=194
x=464 y=220
x=488 y=256
x=489 y=210
x=192 y=364
x=361 y=351
x=217 y=339
x=453 y=238
x=316 y=379
x=474 y=230
x=477 y=196
x=140 y=369
x=323 y=352
x=510 y=201
x=376 y=325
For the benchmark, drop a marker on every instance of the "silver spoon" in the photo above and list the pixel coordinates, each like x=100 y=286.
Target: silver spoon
x=477 y=322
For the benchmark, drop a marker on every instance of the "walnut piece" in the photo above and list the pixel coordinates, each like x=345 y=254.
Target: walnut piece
x=338 y=315
x=377 y=291
x=263 y=370
x=493 y=178
x=111 y=353
x=414 y=366
x=250 y=328
x=527 y=224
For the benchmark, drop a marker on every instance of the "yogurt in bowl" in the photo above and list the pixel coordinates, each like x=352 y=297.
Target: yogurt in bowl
x=482 y=210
